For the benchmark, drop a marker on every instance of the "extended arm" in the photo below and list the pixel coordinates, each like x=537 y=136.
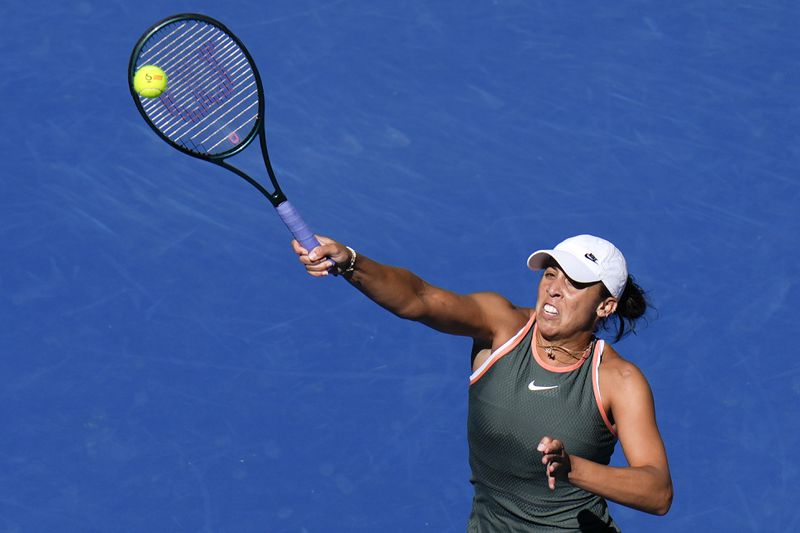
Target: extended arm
x=480 y=316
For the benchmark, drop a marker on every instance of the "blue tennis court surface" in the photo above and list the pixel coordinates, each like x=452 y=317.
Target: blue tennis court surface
x=168 y=366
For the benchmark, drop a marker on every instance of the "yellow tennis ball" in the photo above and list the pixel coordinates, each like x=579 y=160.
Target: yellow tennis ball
x=150 y=81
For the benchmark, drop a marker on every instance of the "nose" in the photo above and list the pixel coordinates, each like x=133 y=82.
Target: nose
x=553 y=288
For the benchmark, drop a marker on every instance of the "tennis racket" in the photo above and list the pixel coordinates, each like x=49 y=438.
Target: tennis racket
x=213 y=105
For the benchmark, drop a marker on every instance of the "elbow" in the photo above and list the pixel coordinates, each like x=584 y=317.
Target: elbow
x=657 y=496
x=412 y=310
x=662 y=502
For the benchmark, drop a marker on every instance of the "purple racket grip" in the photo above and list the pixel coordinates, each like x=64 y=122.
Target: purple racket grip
x=297 y=226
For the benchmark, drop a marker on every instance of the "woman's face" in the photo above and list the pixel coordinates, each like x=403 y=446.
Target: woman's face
x=566 y=308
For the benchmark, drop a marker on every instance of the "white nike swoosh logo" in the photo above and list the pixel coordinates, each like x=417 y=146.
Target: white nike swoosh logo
x=534 y=387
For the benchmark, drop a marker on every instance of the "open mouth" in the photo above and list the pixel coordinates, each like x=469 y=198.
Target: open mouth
x=550 y=310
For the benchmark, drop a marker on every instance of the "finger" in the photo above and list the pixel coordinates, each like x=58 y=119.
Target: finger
x=554 y=447
x=324 y=250
x=549 y=445
x=299 y=250
x=324 y=240
x=558 y=459
x=543 y=444
x=304 y=259
x=551 y=480
x=324 y=262
x=323 y=265
x=338 y=254
x=319 y=265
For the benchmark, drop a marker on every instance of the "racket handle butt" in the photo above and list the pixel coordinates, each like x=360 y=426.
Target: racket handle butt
x=297 y=226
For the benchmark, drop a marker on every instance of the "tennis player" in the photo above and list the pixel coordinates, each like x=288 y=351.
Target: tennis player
x=548 y=399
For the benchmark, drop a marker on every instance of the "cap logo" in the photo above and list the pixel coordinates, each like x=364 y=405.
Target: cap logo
x=590 y=256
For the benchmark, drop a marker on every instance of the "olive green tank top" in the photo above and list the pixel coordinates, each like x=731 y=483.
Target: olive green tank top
x=515 y=399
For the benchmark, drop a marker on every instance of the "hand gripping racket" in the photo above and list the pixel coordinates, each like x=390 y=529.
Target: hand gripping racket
x=213 y=106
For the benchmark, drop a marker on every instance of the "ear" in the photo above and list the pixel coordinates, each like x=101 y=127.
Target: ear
x=606 y=307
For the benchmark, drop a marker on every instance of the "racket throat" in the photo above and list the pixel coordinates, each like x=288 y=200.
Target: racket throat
x=275 y=197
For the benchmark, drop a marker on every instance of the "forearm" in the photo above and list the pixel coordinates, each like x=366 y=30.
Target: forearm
x=395 y=289
x=646 y=488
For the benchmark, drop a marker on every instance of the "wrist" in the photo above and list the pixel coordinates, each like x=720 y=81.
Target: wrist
x=348 y=266
x=577 y=470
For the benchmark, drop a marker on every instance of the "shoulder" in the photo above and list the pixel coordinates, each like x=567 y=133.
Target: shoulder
x=626 y=395
x=497 y=302
x=500 y=308
x=503 y=317
x=621 y=378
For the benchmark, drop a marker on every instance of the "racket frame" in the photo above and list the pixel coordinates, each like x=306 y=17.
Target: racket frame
x=276 y=197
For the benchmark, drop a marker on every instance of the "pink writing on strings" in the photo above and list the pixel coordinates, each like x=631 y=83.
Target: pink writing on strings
x=205 y=100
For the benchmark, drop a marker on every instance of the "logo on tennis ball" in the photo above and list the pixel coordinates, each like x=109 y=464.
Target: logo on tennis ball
x=150 y=81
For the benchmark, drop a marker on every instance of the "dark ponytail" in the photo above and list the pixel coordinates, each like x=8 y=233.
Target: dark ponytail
x=631 y=306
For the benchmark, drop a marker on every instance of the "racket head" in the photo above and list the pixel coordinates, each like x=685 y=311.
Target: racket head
x=213 y=105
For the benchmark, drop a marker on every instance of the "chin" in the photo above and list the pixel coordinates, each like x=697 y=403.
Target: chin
x=548 y=326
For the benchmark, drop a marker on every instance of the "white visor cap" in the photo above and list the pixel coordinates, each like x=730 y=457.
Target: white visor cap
x=586 y=259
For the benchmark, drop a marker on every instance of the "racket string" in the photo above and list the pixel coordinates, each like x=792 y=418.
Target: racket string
x=212 y=89
x=188 y=72
x=173 y=124
x=179 y=66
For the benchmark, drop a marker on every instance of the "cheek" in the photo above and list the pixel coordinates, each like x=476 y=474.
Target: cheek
x=584 y=305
